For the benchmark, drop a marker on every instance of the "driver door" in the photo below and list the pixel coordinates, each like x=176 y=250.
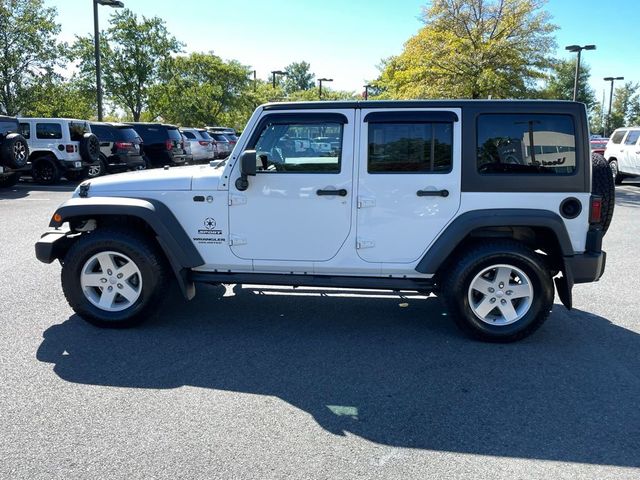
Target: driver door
x=298 y=205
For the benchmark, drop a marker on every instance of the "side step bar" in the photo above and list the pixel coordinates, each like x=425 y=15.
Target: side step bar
x=296 y=280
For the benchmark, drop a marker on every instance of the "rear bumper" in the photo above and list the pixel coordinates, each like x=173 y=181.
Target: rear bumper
x=587 y=267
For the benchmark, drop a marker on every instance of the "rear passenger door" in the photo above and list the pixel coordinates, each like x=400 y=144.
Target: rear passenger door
x=631 y=152
x=408 y=181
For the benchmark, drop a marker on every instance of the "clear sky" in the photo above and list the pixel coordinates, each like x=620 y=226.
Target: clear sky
x=346 y=39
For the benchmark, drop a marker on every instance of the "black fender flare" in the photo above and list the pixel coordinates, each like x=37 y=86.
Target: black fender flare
x=174 y=241
x=464 y=224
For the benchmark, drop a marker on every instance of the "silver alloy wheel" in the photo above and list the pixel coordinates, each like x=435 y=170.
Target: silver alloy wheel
x=94 y=170
x=111 y=281
x=20 y=152
x=614 y=169
x=500 y=295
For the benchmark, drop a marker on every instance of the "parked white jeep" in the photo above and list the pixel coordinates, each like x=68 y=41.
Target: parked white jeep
x=59 y=146
x=411 y=196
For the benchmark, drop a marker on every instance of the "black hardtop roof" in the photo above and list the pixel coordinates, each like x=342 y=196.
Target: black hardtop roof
x=442 y=103
x=5 y=118
x=113 y=124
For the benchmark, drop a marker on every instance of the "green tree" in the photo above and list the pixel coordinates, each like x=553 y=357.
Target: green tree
x=596 y=119
x=472 y=49
x=131 y=51
x=202 y=89
x=54 y=96
x=29 y=50
x=299 y=77
x=624 y=100
x=560 y=81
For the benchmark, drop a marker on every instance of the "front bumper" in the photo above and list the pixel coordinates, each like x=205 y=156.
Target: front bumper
x=52 y=245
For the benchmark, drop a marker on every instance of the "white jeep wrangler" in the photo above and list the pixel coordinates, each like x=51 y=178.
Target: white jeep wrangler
x=481 y=202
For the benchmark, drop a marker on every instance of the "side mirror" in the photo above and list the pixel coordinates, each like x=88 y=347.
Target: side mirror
x=247 y=168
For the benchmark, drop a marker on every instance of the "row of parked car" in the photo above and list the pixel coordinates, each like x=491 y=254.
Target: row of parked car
x=621 y=151
x=50 y=148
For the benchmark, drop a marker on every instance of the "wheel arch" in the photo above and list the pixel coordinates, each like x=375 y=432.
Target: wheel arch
x=151 y=217
x=526 y=225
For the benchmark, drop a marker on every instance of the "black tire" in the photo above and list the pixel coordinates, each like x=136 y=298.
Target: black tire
x=75 y=175
x=89 y=148
x=144 y=254
x=14 y=151
x=602 y=184
x=456 y=288
x=615 y=172
x=45 y=171
x=8 y=180
x=98 y=169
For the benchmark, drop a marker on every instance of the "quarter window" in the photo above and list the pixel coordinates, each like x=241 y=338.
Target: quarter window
x=410 y=147
x=617 y=136
x=300 y=147
x=25 y=130
x=526 y=143
x=49 y=131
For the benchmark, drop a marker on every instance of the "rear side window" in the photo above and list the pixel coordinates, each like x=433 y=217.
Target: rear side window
x=219 y=137
x=421 y=147
x=77 y=130
x=48 y=131
x=526 y=143
x=189 y=135
x=103 y=133
x=205 y=135
x=25 y=130
x=127 y=133
x=617 y=136
x=174 y=134
x=632 y=138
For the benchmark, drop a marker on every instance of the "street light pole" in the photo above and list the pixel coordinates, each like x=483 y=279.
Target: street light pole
x=274 y=73
x=96 y=43
x=320 y=80
x=610 y=79
x=578 y=49
x=366 y=91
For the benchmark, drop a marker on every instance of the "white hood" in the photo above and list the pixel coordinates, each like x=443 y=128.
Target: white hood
x=156 y=180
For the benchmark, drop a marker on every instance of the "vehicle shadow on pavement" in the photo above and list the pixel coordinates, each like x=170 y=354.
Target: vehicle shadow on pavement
x=628 y=197
x=389 y=369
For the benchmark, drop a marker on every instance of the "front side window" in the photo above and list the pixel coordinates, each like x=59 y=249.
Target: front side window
x=423 y=147
x=314 y=147
x=48 y=131
x=526 y=143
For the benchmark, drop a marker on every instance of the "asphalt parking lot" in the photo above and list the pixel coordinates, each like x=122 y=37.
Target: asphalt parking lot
x=262 y=383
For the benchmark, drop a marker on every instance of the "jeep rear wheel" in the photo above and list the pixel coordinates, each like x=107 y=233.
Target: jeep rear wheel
x=45 y=171
x=499 y=291
x=113 y=278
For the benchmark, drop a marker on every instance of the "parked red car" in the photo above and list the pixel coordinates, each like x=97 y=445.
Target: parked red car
x=598 y=145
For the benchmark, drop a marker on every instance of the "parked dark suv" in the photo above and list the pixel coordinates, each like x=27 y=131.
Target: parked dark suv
x=120 y=148
x=14 y=151
x=163 y=144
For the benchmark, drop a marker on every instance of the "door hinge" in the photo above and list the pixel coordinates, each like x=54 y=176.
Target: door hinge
x=361 y=243
x=237 y=200
x=235 y=240
x=364 y=202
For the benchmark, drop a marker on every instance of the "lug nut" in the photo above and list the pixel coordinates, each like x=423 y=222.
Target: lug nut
x=103 y=280
x=119 y=275
x=119 y=285
x=500 y=285
x=493 y=300
x=110 y=288
x=509 y=292
x=491 y=289
x=109 y=272
x=503 y=301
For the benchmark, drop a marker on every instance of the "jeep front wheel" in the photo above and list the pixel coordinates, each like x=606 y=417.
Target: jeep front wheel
x=113 y=278
x=499 y=291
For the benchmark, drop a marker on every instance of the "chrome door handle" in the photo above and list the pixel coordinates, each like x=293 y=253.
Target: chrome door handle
x=432 y=193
